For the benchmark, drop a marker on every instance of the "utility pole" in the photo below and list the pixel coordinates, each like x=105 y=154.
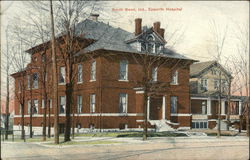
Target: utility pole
x=7 y=85
x=54 y=75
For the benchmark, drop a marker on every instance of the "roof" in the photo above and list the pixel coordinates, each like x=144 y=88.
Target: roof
x=107 y=37
x=197 y=69
x=115 y=39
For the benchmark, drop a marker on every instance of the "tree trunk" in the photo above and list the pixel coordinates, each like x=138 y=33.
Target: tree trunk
x=145 y=130
x=69 y=91
x=7 y=110
x=22 y=121
x=49 y=120
x=44 y=118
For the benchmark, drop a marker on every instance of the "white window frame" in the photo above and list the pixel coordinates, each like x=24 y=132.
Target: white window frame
x=62 y=75
x=79 y=73
x=20 y=109
x=92 y=103
x=35 y=81
x=93 y=71
x=174 y=79
x=204 y=84
x=50 y=103
x=173 y=104
x=43 y=103
x=154 y=74
x=218 y=84
x=36 y=103
x=62 y=105
x=123 y=74
x=79 y=104
x=29 y=106
x=123 y=105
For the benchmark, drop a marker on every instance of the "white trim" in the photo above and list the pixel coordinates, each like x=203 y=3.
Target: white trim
x=92 y=80
x=212 y=119
x=139 y=92
x=148 y=107
x=123 y=80
x=163 y=107
x=181 y=114
x=199 y=98
x=89 y=114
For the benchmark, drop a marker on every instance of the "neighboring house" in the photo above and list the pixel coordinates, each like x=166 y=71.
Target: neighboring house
x=205 y=78
x=107 y=93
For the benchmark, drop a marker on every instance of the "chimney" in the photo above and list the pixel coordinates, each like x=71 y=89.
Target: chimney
x=94 y=17
x=138 y=26
x=157 y=26
x=161 y=33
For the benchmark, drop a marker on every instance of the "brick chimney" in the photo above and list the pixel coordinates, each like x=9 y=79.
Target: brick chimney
x=161 y=33
x=157 y=26
x=138 y=26
x=94 y=17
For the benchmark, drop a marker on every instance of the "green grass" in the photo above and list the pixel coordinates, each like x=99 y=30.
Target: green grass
x=222 y=134
x=132 y=134
x=85 y=143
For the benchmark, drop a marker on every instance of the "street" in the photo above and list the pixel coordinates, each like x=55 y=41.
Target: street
x=192 y=148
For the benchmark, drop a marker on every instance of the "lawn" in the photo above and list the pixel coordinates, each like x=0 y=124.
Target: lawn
x=132 y=134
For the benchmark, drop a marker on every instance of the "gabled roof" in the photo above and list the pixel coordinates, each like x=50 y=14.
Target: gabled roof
x=197 y=69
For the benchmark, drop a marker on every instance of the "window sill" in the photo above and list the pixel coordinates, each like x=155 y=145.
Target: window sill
x=79 y=82
x=92 y=80
x=61 y=84
x=173 y=84
x=123 y=80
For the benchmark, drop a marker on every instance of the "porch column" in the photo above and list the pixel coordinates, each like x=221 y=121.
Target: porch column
x=163 y=108
x=148 y=106
x=222 y=107
x=209 y=106
x=240 y=107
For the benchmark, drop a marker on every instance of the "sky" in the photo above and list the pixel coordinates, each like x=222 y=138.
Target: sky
x=192 y=19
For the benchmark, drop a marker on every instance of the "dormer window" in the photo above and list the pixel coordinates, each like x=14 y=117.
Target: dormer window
x=150 y=44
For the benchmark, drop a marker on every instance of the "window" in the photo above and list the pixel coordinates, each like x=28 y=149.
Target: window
x=62 y=104
x=173 y=102
x=19 y=86
x=35 y=108
x=35 y=80
x=123 y=70
x=204 y=107
x=50 y=103
x=204 y=84
x=123 y=103
x=43 y=58
x=20 y=109
x=216 y=84
x=28 y=81
x=29 y=106
x=79 y=104
x=79 y=74
x=199 y=125
x=151 y=44
x=93 y=71
x=175 y=78
x=154 y=74
x=43 y=103
x=62 y=75
x=92 y=103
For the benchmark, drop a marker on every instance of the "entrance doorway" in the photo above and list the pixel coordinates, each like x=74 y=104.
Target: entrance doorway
x=155 y=108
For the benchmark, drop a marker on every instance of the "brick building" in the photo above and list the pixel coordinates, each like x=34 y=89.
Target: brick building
x=107 y=90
